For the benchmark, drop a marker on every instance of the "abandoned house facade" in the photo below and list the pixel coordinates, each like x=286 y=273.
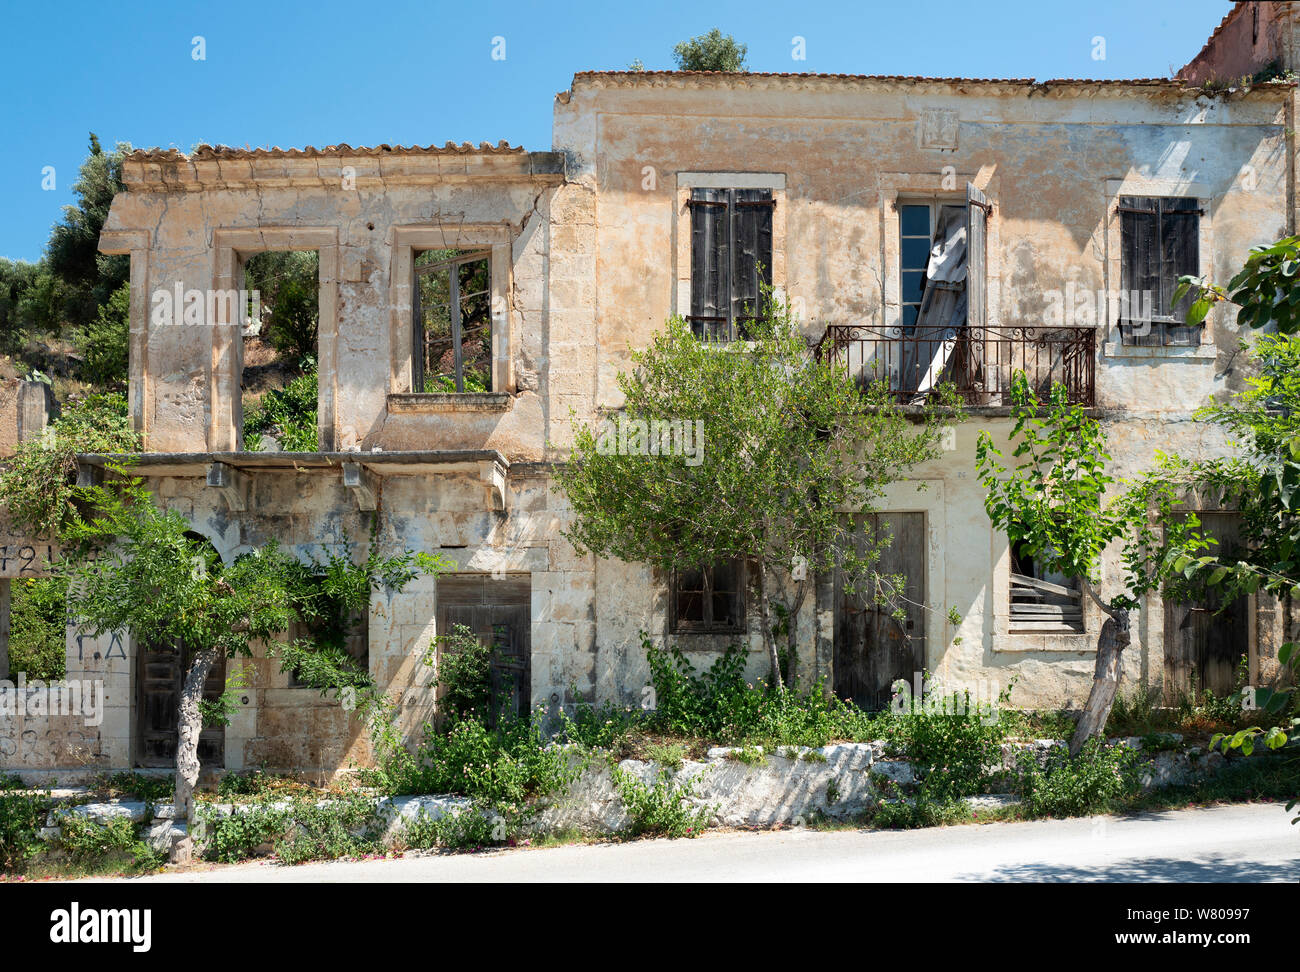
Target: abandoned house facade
x=476 y=302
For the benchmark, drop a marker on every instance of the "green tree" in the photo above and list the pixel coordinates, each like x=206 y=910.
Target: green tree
x=72 y=252
x=289 y=286
x=134 y=567
x=1058 y=504
x=104 y=343
x=17 y=277
x=1264 y=421
x=710 y=52
x=789 y=444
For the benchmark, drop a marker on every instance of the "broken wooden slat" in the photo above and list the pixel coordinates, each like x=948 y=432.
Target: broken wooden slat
x=1044 y=627
x=1046 y=610
x=1042 y=585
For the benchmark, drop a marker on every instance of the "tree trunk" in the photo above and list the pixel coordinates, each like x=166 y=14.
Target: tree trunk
x=792 y=628
x=765 y=616
x=1111 y=643
x=187 y=749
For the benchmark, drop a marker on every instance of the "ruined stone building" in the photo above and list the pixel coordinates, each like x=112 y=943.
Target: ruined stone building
x=933 y=227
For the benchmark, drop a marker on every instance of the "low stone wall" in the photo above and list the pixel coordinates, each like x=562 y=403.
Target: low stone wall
x=743 y=787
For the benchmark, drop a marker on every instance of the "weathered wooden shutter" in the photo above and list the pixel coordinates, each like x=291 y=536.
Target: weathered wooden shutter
x=710 y=263
x=1179 y=254
x=751 y=248
x=731 y=255
x=977 y=235
x=1140 y=271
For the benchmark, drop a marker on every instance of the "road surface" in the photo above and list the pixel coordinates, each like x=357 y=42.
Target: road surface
x=1245 y=842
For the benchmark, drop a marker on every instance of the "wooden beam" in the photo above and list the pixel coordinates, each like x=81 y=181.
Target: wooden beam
x=364 y=485
x=233 y=485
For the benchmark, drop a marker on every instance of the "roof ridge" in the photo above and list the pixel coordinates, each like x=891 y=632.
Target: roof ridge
x=206 y=152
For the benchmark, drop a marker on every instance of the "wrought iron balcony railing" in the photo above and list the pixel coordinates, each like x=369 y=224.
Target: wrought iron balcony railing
x=978 y=361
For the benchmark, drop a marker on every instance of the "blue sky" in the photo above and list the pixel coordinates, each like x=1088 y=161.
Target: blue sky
x=287 y=73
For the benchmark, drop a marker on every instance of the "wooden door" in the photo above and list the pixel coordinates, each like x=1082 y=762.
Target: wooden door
x=1204 y=647
x=499 y=613
x=873 y=648
x=160 y=675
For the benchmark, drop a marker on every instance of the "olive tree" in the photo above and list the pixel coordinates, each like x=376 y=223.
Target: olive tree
x=713 y=51
x=1059 y=504
x=136 y=568
x=1264 y=421
x=785 y=448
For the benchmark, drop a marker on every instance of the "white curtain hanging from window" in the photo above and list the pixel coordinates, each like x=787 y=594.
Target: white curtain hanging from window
x=943 y=305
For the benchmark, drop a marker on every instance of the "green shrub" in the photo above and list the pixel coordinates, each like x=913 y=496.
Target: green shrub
x=719 y=705
x=37 y=484
x=474 y=827
x=151 y=789
x=1094 y=780
x=38 y=627
x=289 y=413
x=22 y=816
x=342 y=828
x=503 y=766
x=661 y=808
x=919 y=812
x=86 y=841
x=103 y=343
x=464 y=673
x=606 y=726
x=236 y=836
x=250 y=783
x=953 y=747
x=288 y=282
x=672 y=755
x=113 y=845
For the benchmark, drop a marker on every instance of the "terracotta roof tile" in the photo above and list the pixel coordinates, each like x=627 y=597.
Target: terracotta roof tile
x=205 y=153
x=794 y=75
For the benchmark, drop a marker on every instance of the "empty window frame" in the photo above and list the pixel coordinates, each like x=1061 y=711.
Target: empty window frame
x=1159 y=242
x=731 y=259
x=281 y=337
x=1042 y=601
x=452 y=321
x=709 y=599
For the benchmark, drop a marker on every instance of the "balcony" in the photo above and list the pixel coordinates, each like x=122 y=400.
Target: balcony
x=978 y=361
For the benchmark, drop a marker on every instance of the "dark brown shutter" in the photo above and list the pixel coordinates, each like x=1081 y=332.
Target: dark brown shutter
x=751 y=245
x=977 y=235
x=709 y=262
x=1180 y=255
x=1140 y=269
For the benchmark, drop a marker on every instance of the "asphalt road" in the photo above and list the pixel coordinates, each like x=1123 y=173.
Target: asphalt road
x=1248 y=842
